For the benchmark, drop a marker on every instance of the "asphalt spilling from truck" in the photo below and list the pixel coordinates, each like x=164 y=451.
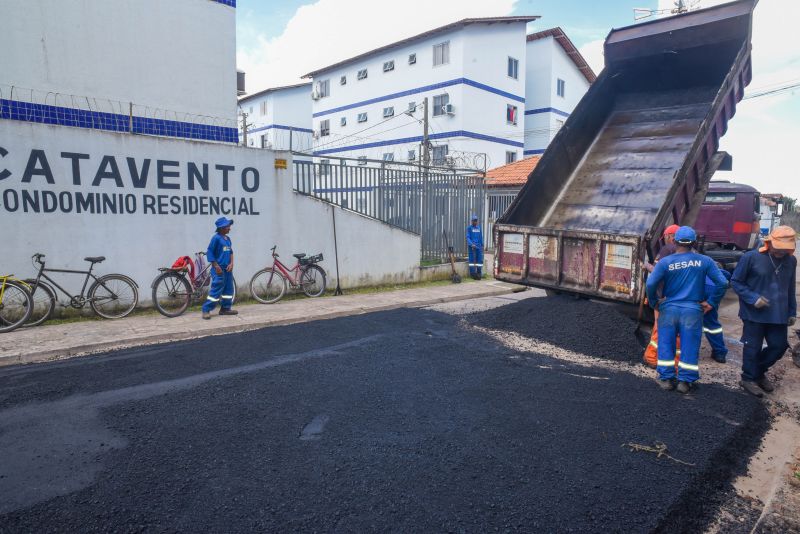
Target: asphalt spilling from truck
x=583 y=326
x=404 y=420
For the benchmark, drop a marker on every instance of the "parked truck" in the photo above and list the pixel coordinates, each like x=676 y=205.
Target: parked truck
x=728 y=222
x=635 y=156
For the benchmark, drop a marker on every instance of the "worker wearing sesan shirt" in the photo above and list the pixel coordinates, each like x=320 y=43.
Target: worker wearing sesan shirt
x=220 y=255
x=475 y=246
x=651 y=352
x=681 y=307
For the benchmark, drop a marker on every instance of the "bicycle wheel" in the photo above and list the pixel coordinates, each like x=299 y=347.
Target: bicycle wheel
x=172 y=294
x=113 y=296
x=312 y=280
x=267 y=286
x=15 y=306
x=44 y=302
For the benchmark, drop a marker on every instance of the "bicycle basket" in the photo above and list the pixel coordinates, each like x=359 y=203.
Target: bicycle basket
x=309 y=260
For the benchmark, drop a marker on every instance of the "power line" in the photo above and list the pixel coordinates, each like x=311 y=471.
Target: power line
x=775 y=91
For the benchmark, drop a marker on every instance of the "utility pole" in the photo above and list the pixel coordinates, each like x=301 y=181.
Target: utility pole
x=426 y=156
x=245 y=126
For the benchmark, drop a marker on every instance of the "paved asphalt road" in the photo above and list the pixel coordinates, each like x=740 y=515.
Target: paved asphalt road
x=406 y=420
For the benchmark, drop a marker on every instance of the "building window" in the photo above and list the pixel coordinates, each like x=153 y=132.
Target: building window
x=343 y=121
x=513 y=68
x=388 y=156
x=362 y=160
x=412 y=59
x=388 y=112
x=439 y=102
x=560 y=87
x=388 y=65
x=438 y=154
x=264 y=107
x=324 y=127
x=412 y=107
x=362 y=74
x=264 y=141
x=324 y=88
x=511 y=114
x=511 y=156
x=441 y=54
x=343 y=80
x=362 y=117
x=324 y=167
x=412 y=155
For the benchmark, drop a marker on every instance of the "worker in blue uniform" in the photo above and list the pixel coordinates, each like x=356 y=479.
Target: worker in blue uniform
x=712 y=328
x=765 y=280
x=475 y=248
x=681 y=306
x=220 y=255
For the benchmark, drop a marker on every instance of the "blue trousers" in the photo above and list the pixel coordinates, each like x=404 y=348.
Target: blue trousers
x=713 y=331
x=475 y=261
x=221 y=291
x=755 y=360
x=688 y=324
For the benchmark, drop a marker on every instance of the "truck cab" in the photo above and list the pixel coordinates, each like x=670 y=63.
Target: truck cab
x=728 y=223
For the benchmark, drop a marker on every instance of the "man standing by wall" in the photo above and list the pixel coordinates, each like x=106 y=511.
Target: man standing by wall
x=765 y=281
x=681 y=308
x=220 y=254
x=475 y=247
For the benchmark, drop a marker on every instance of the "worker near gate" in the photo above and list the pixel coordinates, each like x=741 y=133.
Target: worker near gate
x=220 y=255
x=475 y=248
x=765 y=281
x=681 y=306
x=651 y=352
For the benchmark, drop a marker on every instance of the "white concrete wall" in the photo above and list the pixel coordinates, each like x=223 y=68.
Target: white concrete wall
x=546 y=62
x=477 y=52
x=178 y=55
x=140 y=240
x=289 y=107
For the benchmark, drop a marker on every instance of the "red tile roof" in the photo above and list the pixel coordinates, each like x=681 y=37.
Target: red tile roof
x=513 y=174
x=573 y=53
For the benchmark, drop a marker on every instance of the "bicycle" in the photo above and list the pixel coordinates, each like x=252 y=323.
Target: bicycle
x=111 y=296
x=16 y=303
x=173 y=290
x=269 y=285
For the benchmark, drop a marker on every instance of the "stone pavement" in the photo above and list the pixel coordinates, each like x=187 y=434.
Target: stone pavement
x=52 y=342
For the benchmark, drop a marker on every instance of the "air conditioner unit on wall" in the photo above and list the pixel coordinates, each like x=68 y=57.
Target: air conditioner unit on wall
x=449 y=109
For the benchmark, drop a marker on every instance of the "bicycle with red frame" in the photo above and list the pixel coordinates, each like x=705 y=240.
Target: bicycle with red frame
x=269 y=285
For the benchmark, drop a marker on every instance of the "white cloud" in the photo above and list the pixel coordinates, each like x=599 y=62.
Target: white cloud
x=332 y=30
x=593 y=54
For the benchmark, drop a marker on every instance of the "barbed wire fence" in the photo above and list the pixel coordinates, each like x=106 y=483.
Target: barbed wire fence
x=49 y=107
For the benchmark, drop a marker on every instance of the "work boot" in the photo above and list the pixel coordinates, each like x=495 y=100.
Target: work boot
x=206 y=315
x=751 y=387
x=666 y=385
x=228 y=312
x=685 y=387
x=765 y=384
x=719 y=358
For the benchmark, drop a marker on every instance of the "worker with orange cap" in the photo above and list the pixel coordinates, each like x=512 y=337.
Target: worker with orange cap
x=651 y=352
x=765 y=281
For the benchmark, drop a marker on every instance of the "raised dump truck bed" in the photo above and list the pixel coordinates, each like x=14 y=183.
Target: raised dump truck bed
x=635 y=156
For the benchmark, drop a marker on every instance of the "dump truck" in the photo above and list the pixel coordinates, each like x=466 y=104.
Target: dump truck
x=635 y=156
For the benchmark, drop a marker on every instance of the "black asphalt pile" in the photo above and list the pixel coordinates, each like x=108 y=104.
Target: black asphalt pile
x=577 y=325
x=396 y=421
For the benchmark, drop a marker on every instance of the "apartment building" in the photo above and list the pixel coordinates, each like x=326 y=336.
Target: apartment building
x=473 y=74
x=279 y=118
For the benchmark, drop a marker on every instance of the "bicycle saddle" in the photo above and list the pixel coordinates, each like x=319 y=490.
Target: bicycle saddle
x=298 y=256
x=95 y=259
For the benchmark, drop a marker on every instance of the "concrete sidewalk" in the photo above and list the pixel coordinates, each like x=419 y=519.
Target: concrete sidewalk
x=28 y=345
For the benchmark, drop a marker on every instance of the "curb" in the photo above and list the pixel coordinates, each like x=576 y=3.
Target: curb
x=122 y=343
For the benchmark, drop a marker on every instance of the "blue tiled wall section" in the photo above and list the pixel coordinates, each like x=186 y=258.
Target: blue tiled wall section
x=231 y=3
x=114 y=122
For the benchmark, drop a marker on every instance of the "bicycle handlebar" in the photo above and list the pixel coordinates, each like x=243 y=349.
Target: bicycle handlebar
x=274 y=254
x=37 y=257
x=201 y=253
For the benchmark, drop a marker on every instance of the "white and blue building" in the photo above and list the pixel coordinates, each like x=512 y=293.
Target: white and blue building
x=557 y=77
x=279 y=118
x=486 y=81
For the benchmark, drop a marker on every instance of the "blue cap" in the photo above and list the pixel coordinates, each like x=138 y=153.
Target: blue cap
x=473 y=218
x=685 y=234
x=222 y=222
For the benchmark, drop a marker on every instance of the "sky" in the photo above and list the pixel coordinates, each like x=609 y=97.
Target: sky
x=280 y=40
